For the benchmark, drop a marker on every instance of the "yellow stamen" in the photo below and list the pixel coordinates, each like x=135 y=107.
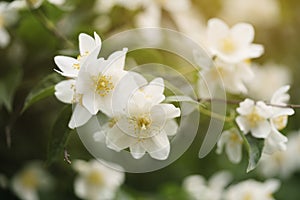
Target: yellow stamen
x=29 y=179
x=103 y=84
x=95 y=178
x=254 y=118
x=280 y=122
x=227 y=45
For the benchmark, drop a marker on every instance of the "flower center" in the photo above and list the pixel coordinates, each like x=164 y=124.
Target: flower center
x=103 y=84
x=29 y=179
x=95 y=178
x=143 y=123
x=254 y=118
x=280 y=122
x=248 y=196
x=79 y=57
x=227 y=45
x=235 y=137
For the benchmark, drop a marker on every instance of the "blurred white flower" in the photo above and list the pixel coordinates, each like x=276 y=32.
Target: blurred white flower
x=254 y=117
x=105 y=6
x=8 y=16
x=200 y=189
x=282 y=163
x=97 y=81
x=230 y=76
x=252 y=190
x=234 y=44
x=96 y=181
x=22 y=4
x=88 y=47
x=268 y=78
x=30 y=180
x=264 y=13
x=276 y=141
x=145 y=124
x=233 y=142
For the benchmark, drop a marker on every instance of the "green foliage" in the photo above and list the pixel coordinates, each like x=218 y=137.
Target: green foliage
x=254 y=149
x=9 y=82
x=42 y=90
x=59 y=135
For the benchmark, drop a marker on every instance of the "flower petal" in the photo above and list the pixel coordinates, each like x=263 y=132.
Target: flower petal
x=171 y=127
x=243 y=33
x=65 y=64
x=87 y=44
x=4 y=38
x=262 y=130
x=117 y=140
x=79 y=117
x=158 y=146
x=137 y=150
x=65 y=91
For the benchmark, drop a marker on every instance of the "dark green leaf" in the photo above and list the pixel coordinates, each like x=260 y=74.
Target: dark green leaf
x=9 y=82
x=59 y=135
x=43 y=89
x=254 y=151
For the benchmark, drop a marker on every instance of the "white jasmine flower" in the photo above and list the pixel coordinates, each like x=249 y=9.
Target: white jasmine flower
x=276 y=141
x=254 y=117
x=199 y=189
x=231 y=76
x=105 y=6
x=97 y=81
x=30 y=180
x=252 y=190
x=233 y=142
x=65 y=91
x=232 y=45
x=268 y=78
x=96 y=181
x=88 y=47
x=145 y=124
x=265 y=15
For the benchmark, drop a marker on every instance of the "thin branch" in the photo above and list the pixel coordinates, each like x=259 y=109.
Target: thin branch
x=236 y=102
x=48 y=24
x=67 y=157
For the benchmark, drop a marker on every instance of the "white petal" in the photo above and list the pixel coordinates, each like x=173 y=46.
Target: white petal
x=86 y=44
x=234 y=152
x=225 y=136
x=263 y=110
x=262 y=130
x=65 y=64
x=116 y=61
x=79 y=117
x=155 y=90
x=117 y=140
x=243 y=33
x=137 y=150
x=64 y=91
x=167 y=111
x=246 y=107
x=255 y=50
x=171 y=127
x=57 y=2
x=220 y=180
x=280 y=96
x=80 y=187
x=158 y=146
x=89 y=101
x=4 y=38
x=243 y=124
x=216 y=29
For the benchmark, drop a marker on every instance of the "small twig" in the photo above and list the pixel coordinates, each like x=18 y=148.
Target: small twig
x=236 y=102
x=67 y=157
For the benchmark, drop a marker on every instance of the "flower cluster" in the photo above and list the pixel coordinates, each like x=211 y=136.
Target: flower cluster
x=139 y=120
x=217 y=188
x=262 y=121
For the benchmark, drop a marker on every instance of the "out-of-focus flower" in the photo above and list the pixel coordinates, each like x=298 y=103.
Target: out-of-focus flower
x=282 y=163
x=254 y=117
x=146 y=123
x=88 y=47
x=230 y=76
x=22 y=4
x=199 y=189
x=276 y=141
x=264 y=13
x=268 y=78
x=97 y=81
x=252 y=190
x=105 y=6
x=232 y=141
x=30 y=180
x=97 y=181
x=232 y=45
x=8 y=16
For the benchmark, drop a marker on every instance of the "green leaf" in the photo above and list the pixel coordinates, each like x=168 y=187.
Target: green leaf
x=255 y=147
x=9 y=83
x=59 y=135
x=180 y=99
x=43 y=89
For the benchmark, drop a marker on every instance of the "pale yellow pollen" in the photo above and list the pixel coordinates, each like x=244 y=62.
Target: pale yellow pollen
x=103 y=84
x=29 y=179
x=280 y=122
x=227 y=45
x=254 y=118
x=79 y=57
x=76 y=66
x=112 y=122
x=143 y=123
x=248 y=196
x=234 y=137
x=95 y=178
